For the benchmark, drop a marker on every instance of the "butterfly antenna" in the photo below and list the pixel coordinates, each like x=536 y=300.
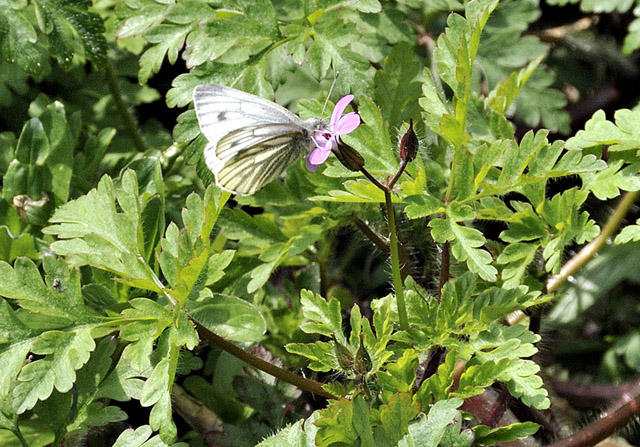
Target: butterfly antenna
x=333 y=84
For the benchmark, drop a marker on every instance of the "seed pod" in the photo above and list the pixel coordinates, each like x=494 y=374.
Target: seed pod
x=348 y=156
x=409 y=144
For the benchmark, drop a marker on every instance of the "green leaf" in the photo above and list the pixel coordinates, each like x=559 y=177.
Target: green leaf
x=394 y=418
x=59 y=298
x=465 y=241
x=489 y=436
x=422 y=206
x=18 y=39
x=372 y=139
x=229 y=317
x=607 y=183
x=629 y=233
x=321 y=316
x=516 y=257
x=562 y=214
x=329 y=49
x=68 y=25
x=13 y=245
x=141 y=437
x=63 y=353
x=396 y=90
x=619 y=136
x=94 y=232
x=429 y=431
x=90 y=411
x=300 y=434
x=44 y=156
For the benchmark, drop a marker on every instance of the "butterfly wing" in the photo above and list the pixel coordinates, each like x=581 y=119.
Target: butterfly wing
x=253 y=156
x=251 y=140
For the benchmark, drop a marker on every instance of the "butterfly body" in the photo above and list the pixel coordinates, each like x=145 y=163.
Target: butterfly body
x=251 y=140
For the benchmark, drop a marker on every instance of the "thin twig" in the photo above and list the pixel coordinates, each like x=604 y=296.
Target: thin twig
x=392 y=182
x=280 y=373
x=374 y=180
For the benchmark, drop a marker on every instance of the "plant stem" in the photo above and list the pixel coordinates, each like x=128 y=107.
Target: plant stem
x=613 y=419
x=395 y=263
x=392 y=182
x=374 y=180
x=280 y=373
x=444 y=268
x=587 y=252
x=127 y=119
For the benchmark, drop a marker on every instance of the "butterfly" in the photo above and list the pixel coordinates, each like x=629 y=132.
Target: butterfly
x=251 y=140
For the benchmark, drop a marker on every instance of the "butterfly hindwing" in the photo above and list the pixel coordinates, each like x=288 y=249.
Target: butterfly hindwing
x=251 y=163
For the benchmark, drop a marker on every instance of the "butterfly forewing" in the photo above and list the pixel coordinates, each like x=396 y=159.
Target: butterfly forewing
x=251 y=140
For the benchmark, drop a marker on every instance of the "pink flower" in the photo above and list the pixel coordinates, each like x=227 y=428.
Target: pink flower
x=327 y=138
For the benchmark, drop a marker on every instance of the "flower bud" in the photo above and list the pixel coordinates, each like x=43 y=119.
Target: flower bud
x=362 y=363
x=348 y=156
x=409 y=144
x=344 y=356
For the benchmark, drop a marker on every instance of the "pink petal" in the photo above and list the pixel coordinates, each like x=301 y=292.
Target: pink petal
x=347 y=124
x=338 y=109
x=318 y=156
x=311 y=167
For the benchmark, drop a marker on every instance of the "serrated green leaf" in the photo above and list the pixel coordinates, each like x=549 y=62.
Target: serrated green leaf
x=619 y=136
x=465 y=241
x=141 y=437
x=64 y=353
x=428 y=431
x=300 y=434
x=89 y=411
x=607 y=183
x=422 y=206
x=630 y=233
x=321 y=316
x=95 y=233
x=396 y=90
x=60 y=297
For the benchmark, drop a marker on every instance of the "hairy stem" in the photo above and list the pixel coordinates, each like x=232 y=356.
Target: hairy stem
x=392 y=182
x=616 y=417
x=587 y=252
x=279 y=373
x=395 y=263
x=444 y=268
x=127 y=119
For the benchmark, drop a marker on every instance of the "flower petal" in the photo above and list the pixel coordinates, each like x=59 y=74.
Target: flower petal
x=347 y=124
x=338 y=109
x=318 y=156
x=311 y=167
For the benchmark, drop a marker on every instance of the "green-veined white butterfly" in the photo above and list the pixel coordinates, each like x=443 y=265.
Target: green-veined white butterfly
x=251 y=140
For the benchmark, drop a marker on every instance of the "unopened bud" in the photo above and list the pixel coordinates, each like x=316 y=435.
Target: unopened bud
x=344 y=356
x=348 y=156
x=409 y=144
x=362 y=363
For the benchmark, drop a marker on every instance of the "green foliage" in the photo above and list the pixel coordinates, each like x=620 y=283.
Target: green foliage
x=124 y=278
